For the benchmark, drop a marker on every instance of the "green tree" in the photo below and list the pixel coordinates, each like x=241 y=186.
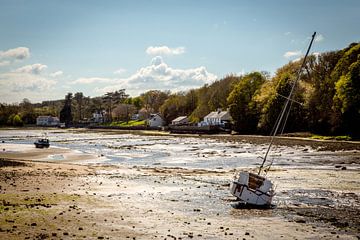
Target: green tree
x=212 y=97
x=110 y=99
x=242 y=106
x=79 y=99
x=272 y=96
x=65 y=113
x=319 y=102
x=153 y=99
x=17 y=121
x=347 y=99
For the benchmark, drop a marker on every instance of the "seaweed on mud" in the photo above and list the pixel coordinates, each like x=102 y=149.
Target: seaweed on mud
x=11 y=163
x=342 y=218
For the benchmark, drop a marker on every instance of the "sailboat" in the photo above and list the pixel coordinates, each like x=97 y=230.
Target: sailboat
x=255 y=189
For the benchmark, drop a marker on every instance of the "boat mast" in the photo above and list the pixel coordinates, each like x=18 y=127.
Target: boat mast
x=288 y=99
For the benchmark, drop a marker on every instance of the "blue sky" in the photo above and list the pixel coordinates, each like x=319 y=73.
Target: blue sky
x=49 y=48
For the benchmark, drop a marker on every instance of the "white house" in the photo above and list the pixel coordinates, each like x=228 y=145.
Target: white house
x=182 y=120
x=97 y=117
x=217 y=118
x=47 y=121
x=155 y=120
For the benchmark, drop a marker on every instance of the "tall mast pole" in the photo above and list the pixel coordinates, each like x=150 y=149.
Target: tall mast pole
x=286 y=105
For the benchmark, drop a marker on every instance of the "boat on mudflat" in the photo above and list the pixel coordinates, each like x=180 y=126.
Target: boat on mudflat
x=42 y=143
x=256 y=190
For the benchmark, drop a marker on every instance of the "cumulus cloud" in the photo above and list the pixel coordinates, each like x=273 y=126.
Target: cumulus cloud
x=292 y=54
x=319 y=38
x=19 y=53
x=36 y=68
x=16 y=85
x=120 y=71
x=56 y=74
x=92 y=80
x=158 y=75
x=165 y=50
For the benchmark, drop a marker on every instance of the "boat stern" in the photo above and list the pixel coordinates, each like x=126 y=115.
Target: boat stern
x=252 y=189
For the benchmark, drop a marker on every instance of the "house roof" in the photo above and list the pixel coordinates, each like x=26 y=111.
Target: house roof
x=218 y=114
x=178 y=119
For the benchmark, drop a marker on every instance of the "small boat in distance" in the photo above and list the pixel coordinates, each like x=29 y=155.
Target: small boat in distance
x=42 y=143
x=253 y=189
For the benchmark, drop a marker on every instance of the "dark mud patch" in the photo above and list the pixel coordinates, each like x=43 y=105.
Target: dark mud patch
x=11 y=163
x=320 y=145
x=346 y=218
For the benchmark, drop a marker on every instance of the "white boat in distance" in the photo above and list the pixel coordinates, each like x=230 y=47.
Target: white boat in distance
x=253 y=189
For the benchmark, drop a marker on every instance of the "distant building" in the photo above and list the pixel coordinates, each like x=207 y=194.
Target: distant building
x=182 y=120
x=97 y=117
x=155 y=120
x=216 y=118
x=47 y=121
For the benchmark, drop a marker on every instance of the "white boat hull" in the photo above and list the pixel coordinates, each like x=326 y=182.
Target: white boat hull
x=252 y=189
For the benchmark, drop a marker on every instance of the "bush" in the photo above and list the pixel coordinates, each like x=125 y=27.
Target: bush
x=15 y=120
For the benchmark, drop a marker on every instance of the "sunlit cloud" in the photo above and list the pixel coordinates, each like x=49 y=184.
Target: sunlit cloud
x=18 y=53
x=56 y=74
x=319 y=38
x=291 y=54
x=36 y=68
x=158 y=75
x=16 y=85
x=120 y=71
x=91 y=80
x=165 y=50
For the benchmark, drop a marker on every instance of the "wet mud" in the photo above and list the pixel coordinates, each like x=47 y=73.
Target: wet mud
x=106 y=198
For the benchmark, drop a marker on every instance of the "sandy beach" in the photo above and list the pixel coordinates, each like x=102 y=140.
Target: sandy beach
x=51 y=198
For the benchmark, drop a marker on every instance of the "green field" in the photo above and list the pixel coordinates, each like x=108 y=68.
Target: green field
x=127 y=124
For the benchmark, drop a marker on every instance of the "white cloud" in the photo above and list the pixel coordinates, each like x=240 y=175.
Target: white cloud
x=165 y=50
x=92 y=80
x=15 y=86
x=120 y=71
x=36 y=68
x=292 y=54
x=158 y=75
x=56 y=74
x=319 y=38
x=287 y=33
x=19 y=53
x=4 y=63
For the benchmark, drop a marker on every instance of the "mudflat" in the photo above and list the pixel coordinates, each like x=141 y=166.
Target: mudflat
x=43 y=198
